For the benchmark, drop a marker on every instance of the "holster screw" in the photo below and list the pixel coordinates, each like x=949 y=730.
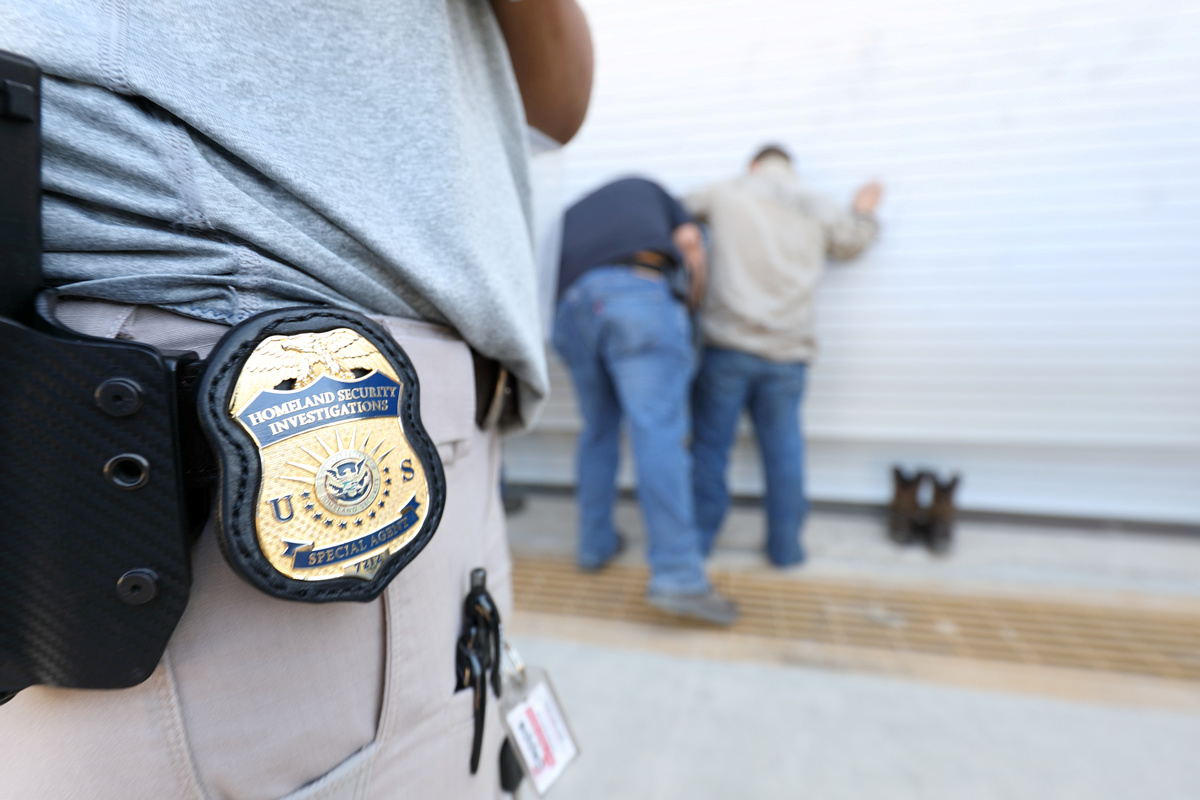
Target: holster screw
x=119 y=397
x=137 y=587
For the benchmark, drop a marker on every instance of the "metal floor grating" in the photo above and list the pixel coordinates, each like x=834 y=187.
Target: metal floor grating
x=1045 y=632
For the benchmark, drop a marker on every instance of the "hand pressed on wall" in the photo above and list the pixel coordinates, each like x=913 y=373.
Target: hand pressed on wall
x=868 y=198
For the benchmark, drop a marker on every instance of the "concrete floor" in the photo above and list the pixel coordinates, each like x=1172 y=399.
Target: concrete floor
x=666 y=728
x=1044 y=558
x=653 y=723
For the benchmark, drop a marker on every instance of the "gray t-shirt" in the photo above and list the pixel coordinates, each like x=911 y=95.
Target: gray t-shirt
x=224 y=158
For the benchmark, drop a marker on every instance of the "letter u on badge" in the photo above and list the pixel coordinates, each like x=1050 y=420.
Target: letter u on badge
x=279 y=514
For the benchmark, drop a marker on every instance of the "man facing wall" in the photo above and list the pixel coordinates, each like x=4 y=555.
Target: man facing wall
x=770 y=238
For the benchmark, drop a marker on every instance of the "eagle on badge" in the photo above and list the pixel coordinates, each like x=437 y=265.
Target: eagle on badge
x=348 y=480
x=302 y=359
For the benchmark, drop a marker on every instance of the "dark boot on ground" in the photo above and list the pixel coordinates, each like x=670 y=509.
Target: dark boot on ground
x=906 y=518
x=939 y=535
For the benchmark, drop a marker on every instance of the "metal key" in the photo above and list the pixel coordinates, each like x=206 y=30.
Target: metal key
x=471 y=674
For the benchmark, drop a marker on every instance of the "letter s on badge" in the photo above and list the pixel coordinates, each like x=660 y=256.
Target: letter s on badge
x=364 y=481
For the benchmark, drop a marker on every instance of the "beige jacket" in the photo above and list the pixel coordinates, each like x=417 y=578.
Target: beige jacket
x=770 y=237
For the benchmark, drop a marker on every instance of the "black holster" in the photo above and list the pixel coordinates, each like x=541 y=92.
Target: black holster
x=94 y=526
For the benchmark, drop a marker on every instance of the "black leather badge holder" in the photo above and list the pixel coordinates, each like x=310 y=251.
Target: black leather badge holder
x=329 y=483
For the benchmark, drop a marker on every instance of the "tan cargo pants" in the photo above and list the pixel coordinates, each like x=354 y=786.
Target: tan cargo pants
x=263 y=698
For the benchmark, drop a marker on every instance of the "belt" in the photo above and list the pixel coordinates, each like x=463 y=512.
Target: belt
x=651 y=259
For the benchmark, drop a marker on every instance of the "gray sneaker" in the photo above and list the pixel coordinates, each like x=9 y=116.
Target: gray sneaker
x=707 y=606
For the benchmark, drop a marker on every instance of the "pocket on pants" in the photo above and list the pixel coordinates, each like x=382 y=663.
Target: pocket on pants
x=644 y=321
x=274 y=694
x=346 y=780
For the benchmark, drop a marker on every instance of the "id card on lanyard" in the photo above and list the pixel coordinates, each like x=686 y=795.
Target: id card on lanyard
x=535 y=723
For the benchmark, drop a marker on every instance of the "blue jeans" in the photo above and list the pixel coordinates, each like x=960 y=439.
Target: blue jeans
x=627 y=343
x=729 y=381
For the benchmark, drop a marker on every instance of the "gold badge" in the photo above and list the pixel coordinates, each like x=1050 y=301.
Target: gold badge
x=347 y=487
x=342 y=491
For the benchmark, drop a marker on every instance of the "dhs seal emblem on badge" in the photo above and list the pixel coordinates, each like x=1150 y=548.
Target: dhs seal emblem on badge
x=329 y=483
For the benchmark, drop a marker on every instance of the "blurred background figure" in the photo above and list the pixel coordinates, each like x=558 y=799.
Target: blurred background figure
x=770 y=237
x=631 y=260
x=1026 y=319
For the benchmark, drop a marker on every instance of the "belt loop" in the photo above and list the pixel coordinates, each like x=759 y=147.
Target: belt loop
x=498 y=400
x=495 y=394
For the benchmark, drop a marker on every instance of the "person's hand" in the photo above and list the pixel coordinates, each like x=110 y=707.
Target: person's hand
x=690 y=243
x=868 y=197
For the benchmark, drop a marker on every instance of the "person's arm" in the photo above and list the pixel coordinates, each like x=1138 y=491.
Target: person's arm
x=849 y=233
x=690 y=243
x=551 y=51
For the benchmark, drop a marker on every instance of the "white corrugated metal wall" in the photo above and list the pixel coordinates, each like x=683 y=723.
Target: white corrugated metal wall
x=1031 y=316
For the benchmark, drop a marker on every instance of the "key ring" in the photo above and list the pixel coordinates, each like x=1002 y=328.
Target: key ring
x=514 y=658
